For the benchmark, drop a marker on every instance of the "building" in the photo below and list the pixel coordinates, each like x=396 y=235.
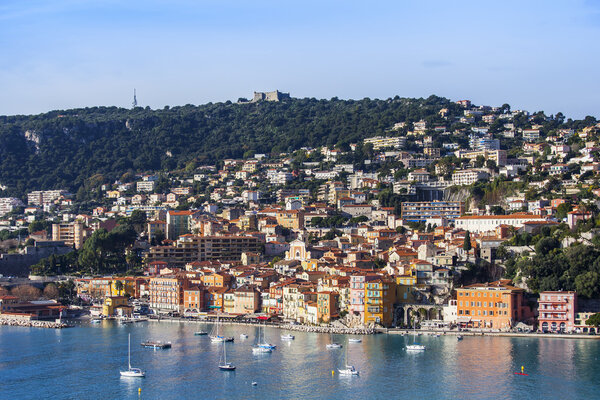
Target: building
x=327 y=306
x=145 y=186
x=380 y=142
x=177 y=223
x=421 y=211
x=270 y=96
x=166 y=294
x=468 y=176
x=495 y=305
x=557 y=311
x=72 y=233
x=193 y=300
x=380 y=296
x=40 y=198
x=291 y=219
x=357 y=293
x=486 y=223
x=116 y=305
x=190 y=248
x=8 y=204
x=246 y=300
x=498 y=156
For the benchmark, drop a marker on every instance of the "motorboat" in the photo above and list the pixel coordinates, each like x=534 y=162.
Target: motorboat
x=96 y=320
x=261 y=350
x=354 y=340
x=287 y=337
x=131 y=372
x=459 y=337
x=334 y=346
x=416 y=347
x=349 y=370
x=243 y=336
x=200 y=333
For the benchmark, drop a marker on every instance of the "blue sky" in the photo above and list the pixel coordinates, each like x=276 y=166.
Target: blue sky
x=535 y=55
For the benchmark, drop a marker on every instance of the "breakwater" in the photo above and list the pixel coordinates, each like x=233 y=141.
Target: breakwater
x=33 y=323
x=328 y=329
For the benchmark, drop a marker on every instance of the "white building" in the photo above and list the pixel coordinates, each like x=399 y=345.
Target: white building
x=468 y=176
x=7 y=204
x=486 y=223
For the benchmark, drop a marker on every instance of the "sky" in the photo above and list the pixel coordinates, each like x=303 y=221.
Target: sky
x=534 y=55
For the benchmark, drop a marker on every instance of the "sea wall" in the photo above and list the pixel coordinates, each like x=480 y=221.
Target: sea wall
x=32 y=323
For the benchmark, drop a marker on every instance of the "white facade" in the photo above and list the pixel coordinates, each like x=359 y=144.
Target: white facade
x=485 y=223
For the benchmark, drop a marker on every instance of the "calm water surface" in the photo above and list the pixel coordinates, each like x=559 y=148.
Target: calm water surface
x=84 y=362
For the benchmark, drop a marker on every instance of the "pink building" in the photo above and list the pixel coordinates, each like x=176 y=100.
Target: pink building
x=357 y=293
x=557 y=311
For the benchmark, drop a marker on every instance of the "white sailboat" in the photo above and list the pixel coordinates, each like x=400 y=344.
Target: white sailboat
x=216 y=337
x=349 y=369
x=333 y=345
x=415 y=346
x=223 y=364
x=132 y=372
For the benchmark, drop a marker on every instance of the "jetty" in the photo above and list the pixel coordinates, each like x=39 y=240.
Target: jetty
x=27 y=323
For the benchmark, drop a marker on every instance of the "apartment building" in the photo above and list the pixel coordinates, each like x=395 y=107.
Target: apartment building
x=468 y=176
x=41 y=197
x=380 y=296
x=166 y=293
x=421 y=211
x=498 y=156
x=485 y=223
x=495 y=305
x=72 y=233
x=380 y=142
x=557 y=311
x=7 y=204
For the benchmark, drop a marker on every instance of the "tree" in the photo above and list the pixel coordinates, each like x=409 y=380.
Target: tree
x=593 y=320
x=119 y=286
x=467 y=242
x=26 y=292
x=51 y=291
x=588 y=284
x=562 y=210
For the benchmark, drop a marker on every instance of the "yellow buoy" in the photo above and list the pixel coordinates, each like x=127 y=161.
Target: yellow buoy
x=332 y=373
x=522 y=368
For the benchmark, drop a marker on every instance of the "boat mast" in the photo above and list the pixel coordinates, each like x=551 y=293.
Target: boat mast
x=129 y=352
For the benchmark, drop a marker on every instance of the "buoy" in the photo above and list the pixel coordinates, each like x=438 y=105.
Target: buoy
x=332 y=373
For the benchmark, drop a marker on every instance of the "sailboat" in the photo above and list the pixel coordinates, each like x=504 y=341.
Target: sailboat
x=223 y=364
x=215 y=337
x=264 y=344
x=132 y=372
x=415 y=346
x=349 y=369
x=333 y=345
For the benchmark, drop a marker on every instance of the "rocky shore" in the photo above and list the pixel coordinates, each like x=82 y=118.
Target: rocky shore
x=328 y=329
x=33 y=323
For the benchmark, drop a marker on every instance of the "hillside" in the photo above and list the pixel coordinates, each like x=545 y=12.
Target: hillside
x=63 y=149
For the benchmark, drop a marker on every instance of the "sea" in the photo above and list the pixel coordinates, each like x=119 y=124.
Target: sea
x=84 y=363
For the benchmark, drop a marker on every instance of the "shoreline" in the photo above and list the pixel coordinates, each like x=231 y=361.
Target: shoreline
x=390 y=331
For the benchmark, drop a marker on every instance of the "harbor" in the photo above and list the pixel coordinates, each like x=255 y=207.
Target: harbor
x=476 y=367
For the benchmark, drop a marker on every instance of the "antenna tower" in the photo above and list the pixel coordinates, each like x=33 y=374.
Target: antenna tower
x=134 y=103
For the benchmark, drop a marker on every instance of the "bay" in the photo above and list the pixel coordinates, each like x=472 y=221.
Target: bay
x=84 y=363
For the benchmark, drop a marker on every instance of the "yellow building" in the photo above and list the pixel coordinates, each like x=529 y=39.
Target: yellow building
x=116 y=305
x=380 y=296
x=310 y=265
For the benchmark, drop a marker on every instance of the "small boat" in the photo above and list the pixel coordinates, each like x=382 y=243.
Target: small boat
x=156 y=344
x=131 y=372
x=415 y=346
x=243 y=336
x=124 y=321
x=96 y=320
x=200 y=333
x=349 y=370
x=223 y=364
x=215 y=337
x=254 y=383
x=354 y=340
x=264 y=343
x=261 y=350
x=334 y=346
x=287 y=337
x=459 y=337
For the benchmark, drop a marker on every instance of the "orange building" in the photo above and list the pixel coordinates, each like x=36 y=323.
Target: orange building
x=494 y=305
x=193 y=300
x=216 y=280
x=327 y=306
x=291 y=219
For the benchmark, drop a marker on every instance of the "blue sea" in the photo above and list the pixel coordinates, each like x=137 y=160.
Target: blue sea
x=84 y=362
